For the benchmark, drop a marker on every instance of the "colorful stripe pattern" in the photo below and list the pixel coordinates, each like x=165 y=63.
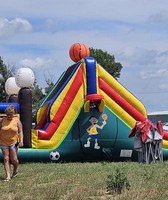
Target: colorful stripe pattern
x=68 y=103
x=87 y=80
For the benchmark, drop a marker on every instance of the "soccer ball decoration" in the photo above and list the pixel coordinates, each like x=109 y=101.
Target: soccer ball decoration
x=79 y=51
x=54 y=155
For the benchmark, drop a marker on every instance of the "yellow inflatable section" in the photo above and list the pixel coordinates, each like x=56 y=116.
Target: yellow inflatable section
x=113 y=106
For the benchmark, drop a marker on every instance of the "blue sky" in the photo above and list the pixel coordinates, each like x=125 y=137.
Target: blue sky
x=39 y=33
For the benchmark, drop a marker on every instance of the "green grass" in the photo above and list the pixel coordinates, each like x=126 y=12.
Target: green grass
x=81 y=181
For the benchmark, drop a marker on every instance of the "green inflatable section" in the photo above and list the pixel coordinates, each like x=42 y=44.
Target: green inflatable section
x=112 y=140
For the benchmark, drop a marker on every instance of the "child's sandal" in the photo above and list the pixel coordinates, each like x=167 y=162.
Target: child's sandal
x=7 y=179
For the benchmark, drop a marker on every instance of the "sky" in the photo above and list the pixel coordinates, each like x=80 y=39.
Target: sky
x=39 y=33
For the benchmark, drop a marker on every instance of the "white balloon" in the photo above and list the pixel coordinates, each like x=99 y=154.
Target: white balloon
x=25 y=77
x=11 y=87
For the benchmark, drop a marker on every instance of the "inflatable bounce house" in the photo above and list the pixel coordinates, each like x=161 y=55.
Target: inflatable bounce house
x=87 y=116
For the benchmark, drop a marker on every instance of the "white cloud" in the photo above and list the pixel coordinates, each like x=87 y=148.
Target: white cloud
x=135 y=56
x=12 y=27
x=154 y=74
x=164 y=87
x=161 y=17
x=132 y=56
x=37 y=63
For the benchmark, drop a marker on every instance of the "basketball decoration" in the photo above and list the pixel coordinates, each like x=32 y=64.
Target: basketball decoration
x=79 y=51
x=104 y=117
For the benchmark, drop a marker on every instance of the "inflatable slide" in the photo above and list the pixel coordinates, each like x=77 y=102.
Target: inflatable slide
x=87 y=116
x=86 y=90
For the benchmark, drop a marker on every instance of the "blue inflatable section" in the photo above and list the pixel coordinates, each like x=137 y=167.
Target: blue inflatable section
x=3 y=106
x=91 y=75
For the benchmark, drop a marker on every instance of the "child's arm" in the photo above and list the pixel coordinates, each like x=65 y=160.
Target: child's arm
x=103 y=124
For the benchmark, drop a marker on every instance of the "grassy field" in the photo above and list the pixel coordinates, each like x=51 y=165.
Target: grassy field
x=82 y=181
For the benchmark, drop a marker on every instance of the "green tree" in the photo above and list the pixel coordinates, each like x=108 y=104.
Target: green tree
x=39 y=93
x=5 y=73
x=50 y=84
x=37 y=96
x=107 y=61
